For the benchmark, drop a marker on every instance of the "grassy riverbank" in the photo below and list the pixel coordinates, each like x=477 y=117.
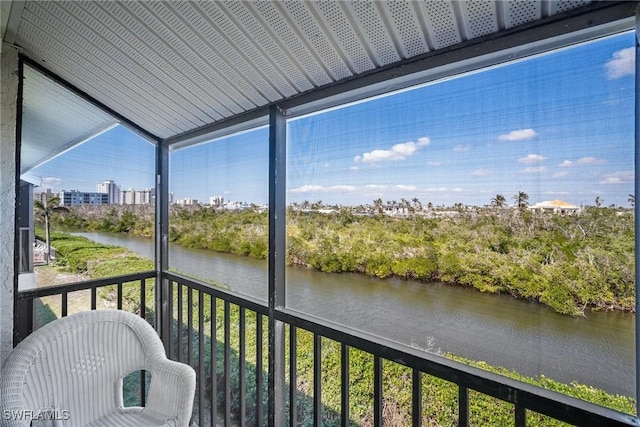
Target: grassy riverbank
x=568 y=262
x=93 y=260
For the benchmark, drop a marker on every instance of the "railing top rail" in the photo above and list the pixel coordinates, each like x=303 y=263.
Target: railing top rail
x=543 y=401
x=86 y=284
x=246 y=301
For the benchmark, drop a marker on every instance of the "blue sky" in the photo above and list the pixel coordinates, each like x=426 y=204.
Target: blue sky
x=558 y=126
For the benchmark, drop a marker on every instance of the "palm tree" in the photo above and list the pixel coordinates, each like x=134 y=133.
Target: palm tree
x=498 y=202
x=46 y=210
x=598 y=202
x=632 y=200
x=521 y=199
x=378 y=204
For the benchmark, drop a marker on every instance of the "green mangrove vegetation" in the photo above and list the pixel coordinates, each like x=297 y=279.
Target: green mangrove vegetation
x=567 y=262
x=439 y=398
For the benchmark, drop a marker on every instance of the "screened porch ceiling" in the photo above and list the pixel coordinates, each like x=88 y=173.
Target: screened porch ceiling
x=182 y=71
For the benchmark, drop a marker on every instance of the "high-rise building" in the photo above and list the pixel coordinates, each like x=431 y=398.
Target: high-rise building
x=44 y=197
x=112 y=189
x=216 y=201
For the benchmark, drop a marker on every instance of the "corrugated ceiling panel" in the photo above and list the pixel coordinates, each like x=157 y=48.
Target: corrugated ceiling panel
x=261 y=36
x=406 y=27
x=171 y=39
x=135 y=59
x=279 y=24
x=480 y=18
x=341 y=28
x=166 y=67
x=317 y=39
x=173 y=67
x=560 y=6
x=218 y=37
x=69 y=59
x=374 y=32
x=54 y=119
x=441 y=23
x=521 y=11
x=270 y=81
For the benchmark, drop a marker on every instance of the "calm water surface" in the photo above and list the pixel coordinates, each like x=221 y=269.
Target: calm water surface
x=597 y=350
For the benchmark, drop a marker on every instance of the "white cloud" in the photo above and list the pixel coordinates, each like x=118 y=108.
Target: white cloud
x=323 y=189
x=621 y=64
x=406 y=187
x=308 y=189
x=397 y=152
x=560 y=174
x=443 y=190
x=621 y=177
x=532 y=158
x=582 y=161
x=434 y=163
x=518 y=135
x=461 y=148
x=51 y=181
x=481 y=172
x=538 y=169
x=354 y=168
x=375 y=187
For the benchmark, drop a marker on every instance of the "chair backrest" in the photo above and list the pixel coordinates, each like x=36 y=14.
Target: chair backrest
x=77 y=363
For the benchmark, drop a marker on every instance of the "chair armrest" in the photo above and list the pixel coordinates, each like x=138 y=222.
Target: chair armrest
x=172 y=390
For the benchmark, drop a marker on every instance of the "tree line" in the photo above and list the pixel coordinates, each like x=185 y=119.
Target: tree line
x=567 y=262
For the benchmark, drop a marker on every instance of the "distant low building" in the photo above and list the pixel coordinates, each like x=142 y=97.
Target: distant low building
x=187 y=201
x=77 y=198
x=137 y=197
x=555 y=206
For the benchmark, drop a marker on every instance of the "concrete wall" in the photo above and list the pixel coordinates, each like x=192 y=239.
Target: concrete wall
x=9 y=92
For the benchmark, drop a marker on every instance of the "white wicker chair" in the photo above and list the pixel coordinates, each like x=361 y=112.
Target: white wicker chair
x=75 y=365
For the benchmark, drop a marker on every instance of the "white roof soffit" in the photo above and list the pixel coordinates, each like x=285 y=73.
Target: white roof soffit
x=181 y=70
x=54 y=120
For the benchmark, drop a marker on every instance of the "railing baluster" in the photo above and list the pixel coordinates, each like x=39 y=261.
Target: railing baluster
x=463 y=406
x=64 y=296
x=344 y=384
x=416 y=398
x=190 y=326
x=242 y=369
x=201 y=388
x=169 y=311
x=143 y=297
x=93 y=298
x=377 y=390
x=180 y=322
x=293 y=375
x=143 y=314
x=259 y=382
x=521 y=416
x=119 y=295
x=25 y=324
x=227 y=363
x=317 y=380
x=214 y=362
x=143 y=387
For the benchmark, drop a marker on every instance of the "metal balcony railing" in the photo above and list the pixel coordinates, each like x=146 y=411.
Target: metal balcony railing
x=223 y=336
